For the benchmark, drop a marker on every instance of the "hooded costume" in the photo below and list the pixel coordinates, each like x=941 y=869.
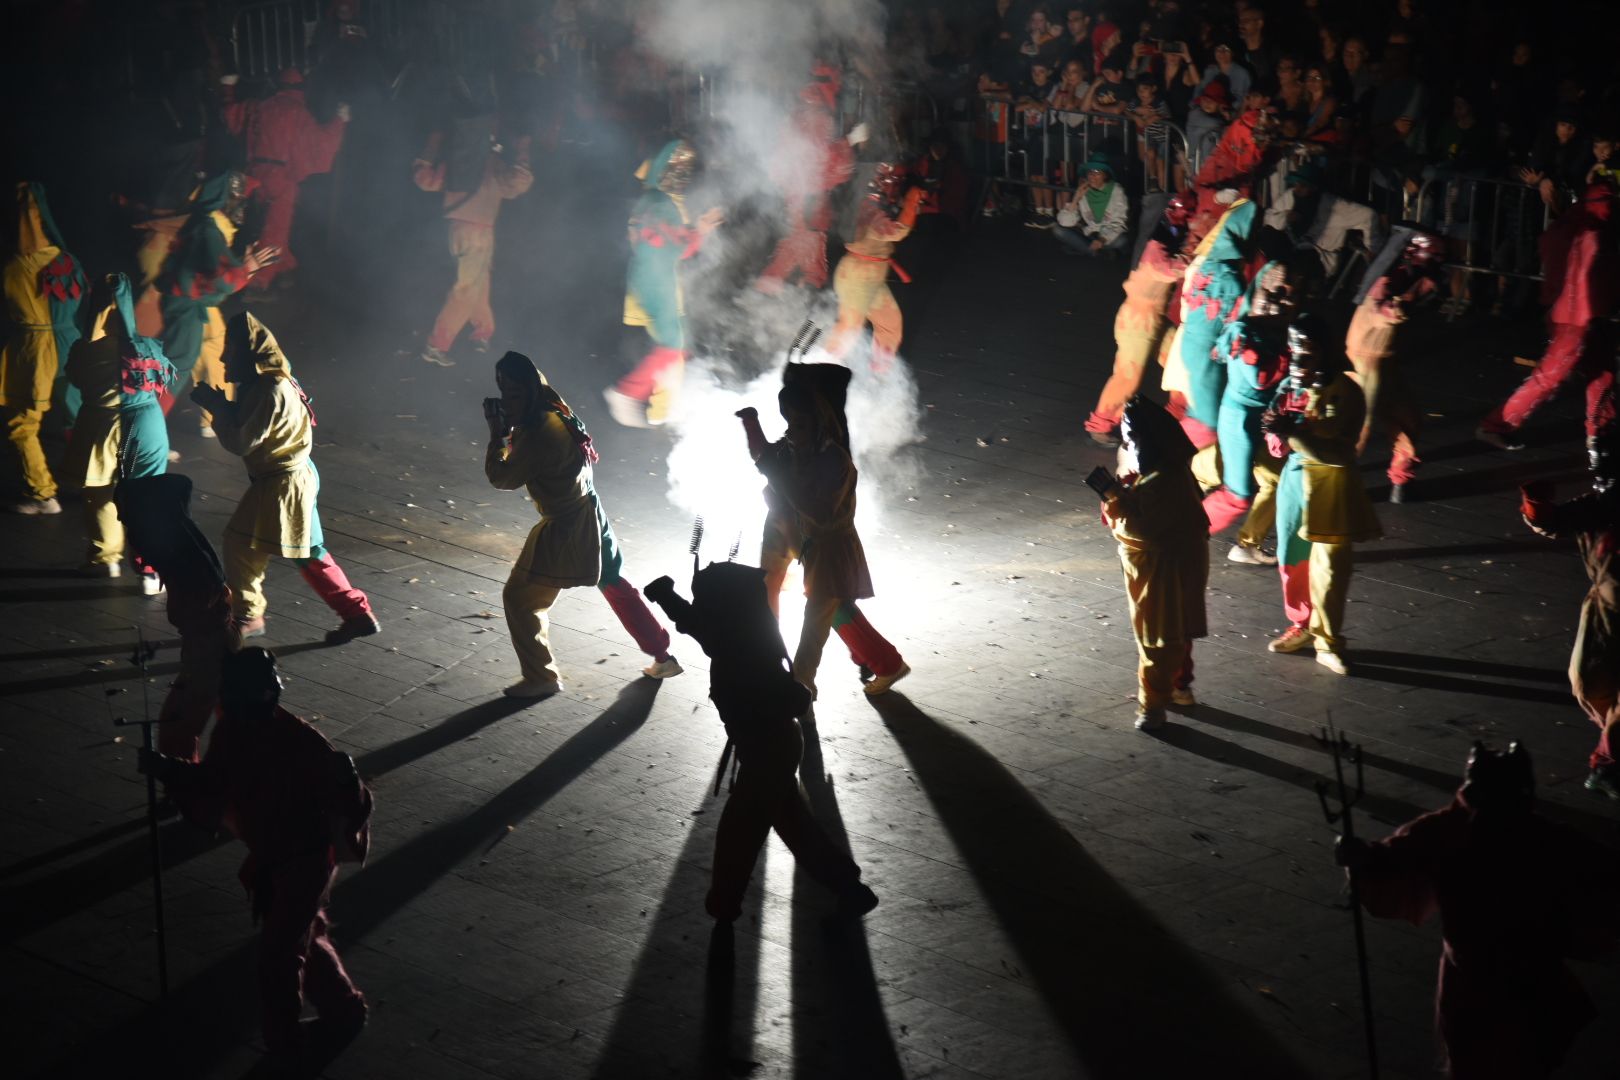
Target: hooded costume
x=284 y=145
x=1593 y=520
x=469 y=167
x=201 y=273
x=121 y=434
x=814 y=161
x=1516 y=895
x=1163 y=536
x=1214 y=283
x=1370 y=345
x=662 y=236
x=1322 y=507
x=810 y=495
x=43 y=287
x=753 y=688
x=300 y=808
x=1581 y=284
x=271 y=427
x=1142 y=320
x=550 y=455
x=156 y=514
x=884 y=219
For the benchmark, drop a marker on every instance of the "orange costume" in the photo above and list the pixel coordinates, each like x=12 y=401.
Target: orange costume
x=861 y=281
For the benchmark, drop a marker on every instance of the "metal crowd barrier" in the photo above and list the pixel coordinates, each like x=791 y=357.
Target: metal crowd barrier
x=1037 y=146
x=268 y=38
x=1499 y=222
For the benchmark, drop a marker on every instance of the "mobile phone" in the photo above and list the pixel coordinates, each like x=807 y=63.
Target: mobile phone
x=1173 y=47
x=1100 y=481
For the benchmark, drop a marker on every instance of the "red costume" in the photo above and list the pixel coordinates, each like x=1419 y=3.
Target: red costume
x=806 y=182
x=1516 y=895
x=299 y=806
x=1234 y=163
x=284 y=145
x=1582 y=285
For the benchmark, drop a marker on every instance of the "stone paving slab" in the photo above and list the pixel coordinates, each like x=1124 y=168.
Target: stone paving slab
x=1062 y=896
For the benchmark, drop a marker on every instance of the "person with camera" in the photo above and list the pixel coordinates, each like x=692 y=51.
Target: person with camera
x=1322 y=507
x=536 y=442
x=271 y=427
x=1156 y=515
x=301 y=808
x=754 y=690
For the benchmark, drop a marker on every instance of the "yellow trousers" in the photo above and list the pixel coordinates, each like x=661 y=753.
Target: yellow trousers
x=1262 y=515
x=210 y=369
x=22 y=428
x=1161 y=669
x=528 y=621
x=1330 y=568
x=101 y=522
x=818 y=620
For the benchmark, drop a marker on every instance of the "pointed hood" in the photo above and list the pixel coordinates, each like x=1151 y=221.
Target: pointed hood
x=245 y=331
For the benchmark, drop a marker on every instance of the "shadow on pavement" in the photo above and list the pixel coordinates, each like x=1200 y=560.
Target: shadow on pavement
x=1428 y=680
x=1453 y=551
x=1464 y=667
x=216 y=1012
x=1101 y=962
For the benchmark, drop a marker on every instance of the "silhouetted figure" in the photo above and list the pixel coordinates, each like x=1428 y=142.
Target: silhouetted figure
x=753 y=688
x=155 y=511
x=300 y=807
x=1516 y=895
x=1593 y=520
x=1157 y=516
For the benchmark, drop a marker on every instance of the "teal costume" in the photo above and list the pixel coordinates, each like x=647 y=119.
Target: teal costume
x=199 y=276
x=146 y=373
x=1254 y=353
x=660 y=238
x=64 y=286
x=1212 y=292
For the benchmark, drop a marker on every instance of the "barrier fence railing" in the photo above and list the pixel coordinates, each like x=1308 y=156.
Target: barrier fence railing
x=1041 y=147
x=1496 y=222
x=268 y=38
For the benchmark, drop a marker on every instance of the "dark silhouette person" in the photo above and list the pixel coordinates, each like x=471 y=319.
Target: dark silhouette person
x=300 y=807
x=1516 y=895
x=752 y=686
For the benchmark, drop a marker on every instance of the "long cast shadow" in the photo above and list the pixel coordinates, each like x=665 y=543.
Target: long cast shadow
x=839 y=1026
x=1463 y=667
x=1428 y=680
x=38 y=904
x=1452 y=551
x=216 y=1011
x=651 y=1033
x=123 y=672
x=71 y=651
x=1101 y=962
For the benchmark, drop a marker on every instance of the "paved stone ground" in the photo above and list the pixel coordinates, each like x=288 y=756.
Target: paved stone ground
x=1062 y=896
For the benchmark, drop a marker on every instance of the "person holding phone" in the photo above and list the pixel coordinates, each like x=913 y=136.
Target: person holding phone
x=538 y=443
x=1156 y=513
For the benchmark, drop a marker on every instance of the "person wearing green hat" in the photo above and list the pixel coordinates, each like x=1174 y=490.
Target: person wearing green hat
x=1094 y=220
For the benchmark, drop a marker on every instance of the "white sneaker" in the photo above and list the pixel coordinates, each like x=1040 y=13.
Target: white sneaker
x=437 y=356
x=1292 y=640
x=1150 y=719
x=880 y=683
x=206 y=431
x=1183 y=698
x=151 y=585
x=174 y=457
x=533 y=688
x=667 y=668
x=1333 y=662
x=1250 y=556
x=625 y=409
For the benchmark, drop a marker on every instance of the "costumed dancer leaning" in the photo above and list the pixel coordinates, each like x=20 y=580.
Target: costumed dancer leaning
x=1214 y=283
x=43 y=287
x=271 y=427
x=1254 y=350
x=1581 y=285
x=156 y=512
x=754 y=690
x=813 y=162
x=1322 y=508
x=536 y=442
x=1142 y=322
x=662 y=237
x=1516 y=895
x=885 y=218
x=285 y=145
x=201 y=273
x=1370 y=346
x=300 y=808
x=1156 y=516
x=121 y=434
x=810 y=496
x=471 y=168
x=1593 y=519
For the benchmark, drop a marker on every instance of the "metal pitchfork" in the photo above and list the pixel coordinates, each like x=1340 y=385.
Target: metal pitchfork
x=1339 y=745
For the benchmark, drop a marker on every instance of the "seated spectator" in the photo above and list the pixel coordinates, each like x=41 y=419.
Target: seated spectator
x=1094 y=220
x=1238 y=79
